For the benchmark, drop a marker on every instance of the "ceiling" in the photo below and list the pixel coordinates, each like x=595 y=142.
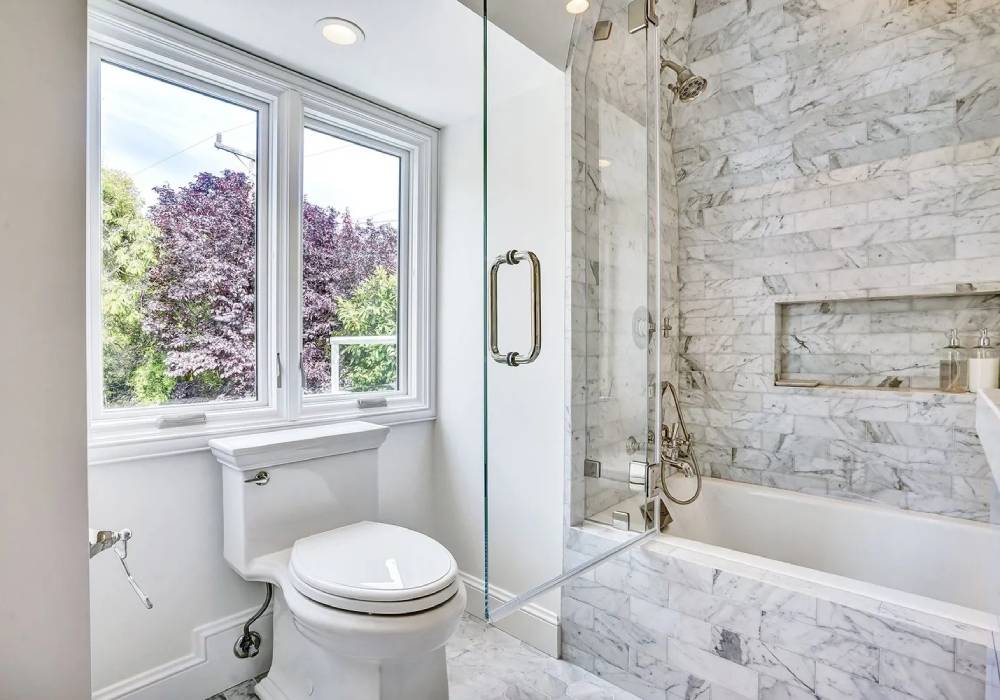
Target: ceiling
x=421 y=57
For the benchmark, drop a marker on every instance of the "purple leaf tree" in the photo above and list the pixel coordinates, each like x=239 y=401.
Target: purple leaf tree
x=200 y=304
x=338 y=254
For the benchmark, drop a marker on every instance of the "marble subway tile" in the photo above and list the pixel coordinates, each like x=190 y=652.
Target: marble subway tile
x=925 y=681
x=608 y=648
x=836 y=684
x=741 y=619
x=924 y=645
x=712 y=668
x=822 y=644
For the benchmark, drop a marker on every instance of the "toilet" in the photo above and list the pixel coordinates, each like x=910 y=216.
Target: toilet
x=362 y=609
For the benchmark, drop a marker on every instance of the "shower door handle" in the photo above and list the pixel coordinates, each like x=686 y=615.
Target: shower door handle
x=513 y=359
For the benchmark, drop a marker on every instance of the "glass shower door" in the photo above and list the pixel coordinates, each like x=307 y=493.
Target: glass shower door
x=571 y=301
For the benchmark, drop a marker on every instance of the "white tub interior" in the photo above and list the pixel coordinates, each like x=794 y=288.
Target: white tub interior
x=942 y=558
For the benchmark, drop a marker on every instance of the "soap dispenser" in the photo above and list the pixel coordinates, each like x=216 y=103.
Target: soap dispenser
x=954 y=365
x=984 y=364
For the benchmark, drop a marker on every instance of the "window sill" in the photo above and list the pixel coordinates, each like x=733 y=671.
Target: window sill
x=113 y=449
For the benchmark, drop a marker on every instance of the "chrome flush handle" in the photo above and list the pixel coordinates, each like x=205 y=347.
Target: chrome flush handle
x=514 y=359
x=261 y=479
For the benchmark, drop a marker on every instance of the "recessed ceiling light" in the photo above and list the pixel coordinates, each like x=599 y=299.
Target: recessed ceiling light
x=340 y=31
x=575 y=7
x=603 y=163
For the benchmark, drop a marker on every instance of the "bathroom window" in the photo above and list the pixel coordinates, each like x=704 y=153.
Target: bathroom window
x=351 y=223
x=178 y=246
x=260 y=245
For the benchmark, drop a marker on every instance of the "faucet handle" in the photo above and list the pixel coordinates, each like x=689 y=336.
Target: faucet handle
x=670 y=432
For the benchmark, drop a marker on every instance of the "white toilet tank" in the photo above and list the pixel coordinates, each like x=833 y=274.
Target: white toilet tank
x=317 y=479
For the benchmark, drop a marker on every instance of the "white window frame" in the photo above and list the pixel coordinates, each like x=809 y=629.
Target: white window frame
x=287 y=103
x=319 y=121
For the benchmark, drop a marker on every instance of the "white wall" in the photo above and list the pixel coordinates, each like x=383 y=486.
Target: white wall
x=173 y=505
x=527 y=209
x=43 y=517
x=431 y=474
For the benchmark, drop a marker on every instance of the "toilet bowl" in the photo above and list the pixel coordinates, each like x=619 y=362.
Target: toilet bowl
x=362 y=609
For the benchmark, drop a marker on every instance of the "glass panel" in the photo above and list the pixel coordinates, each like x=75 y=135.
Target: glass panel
x=552 y=500
x=179 y=243
x=350 y=263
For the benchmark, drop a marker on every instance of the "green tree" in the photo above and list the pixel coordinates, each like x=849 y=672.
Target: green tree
x=134 y=370
x=369 y=310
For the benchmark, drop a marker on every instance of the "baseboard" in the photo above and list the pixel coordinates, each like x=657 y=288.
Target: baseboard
x=208 y=669
x=212 y=667
x=532 y=624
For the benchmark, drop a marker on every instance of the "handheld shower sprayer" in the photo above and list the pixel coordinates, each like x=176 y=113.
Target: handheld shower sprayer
x=676 y=449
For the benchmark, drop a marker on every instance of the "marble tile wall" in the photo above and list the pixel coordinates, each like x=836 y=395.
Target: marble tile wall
x=845 y=146
x=879 y=342
x=667 y=623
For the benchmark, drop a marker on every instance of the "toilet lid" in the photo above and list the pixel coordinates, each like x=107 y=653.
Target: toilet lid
x=372 y=562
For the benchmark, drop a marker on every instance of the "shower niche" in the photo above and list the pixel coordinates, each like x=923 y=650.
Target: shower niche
x=889 y=342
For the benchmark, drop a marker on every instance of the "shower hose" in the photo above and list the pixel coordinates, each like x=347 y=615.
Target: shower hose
x=694 y=460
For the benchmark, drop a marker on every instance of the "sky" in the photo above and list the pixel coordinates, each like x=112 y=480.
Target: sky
x=164 y=134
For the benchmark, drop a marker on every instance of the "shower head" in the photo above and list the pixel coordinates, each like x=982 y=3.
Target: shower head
x=688 y=85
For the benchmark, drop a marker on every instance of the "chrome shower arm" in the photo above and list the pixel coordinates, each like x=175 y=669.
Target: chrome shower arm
x=672 y=65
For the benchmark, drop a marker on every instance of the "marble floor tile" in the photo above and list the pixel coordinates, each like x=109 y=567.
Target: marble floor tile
x=485 y=663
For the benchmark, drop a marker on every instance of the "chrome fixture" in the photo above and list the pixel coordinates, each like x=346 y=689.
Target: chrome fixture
x=514 y=359
x=378 y=402
x=641 y=14
x=647 y=479
x=101 y=540
x=248 y=645
x=632 y=444
x=676 y=449
x=260 y=479
x=648 y=510
x=181 y=420
x=688 y=85
x=602 y=30
x=592 y=468
x=620 y=520
x=643 y=327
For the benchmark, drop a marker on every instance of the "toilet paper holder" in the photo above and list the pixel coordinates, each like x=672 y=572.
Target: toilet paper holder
x=117 y=540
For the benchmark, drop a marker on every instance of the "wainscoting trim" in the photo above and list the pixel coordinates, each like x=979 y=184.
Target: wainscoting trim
x=210 y=668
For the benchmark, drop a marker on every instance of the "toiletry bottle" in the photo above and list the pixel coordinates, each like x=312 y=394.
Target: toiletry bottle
x=984 y=364
x=954 y=365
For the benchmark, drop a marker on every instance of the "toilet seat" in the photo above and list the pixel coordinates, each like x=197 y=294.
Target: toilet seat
x=373 y=568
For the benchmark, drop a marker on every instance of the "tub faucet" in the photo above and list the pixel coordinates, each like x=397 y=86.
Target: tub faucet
x=676 y=448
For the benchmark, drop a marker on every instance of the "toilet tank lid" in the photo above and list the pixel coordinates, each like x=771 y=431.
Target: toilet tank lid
x=271 y=448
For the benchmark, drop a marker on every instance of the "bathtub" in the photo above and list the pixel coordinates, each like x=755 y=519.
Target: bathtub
x=761 y=591
x=928 y=555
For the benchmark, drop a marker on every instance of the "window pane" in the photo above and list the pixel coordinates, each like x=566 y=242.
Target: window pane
x=179 y=243
x=350 y=256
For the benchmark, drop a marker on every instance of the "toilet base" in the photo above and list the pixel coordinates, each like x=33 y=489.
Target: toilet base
x=302 y=669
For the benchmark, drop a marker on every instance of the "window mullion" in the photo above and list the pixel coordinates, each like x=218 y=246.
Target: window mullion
x=289 y=254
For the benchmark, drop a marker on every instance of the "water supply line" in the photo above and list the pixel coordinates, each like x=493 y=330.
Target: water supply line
x=248 y=645
x=677 y=451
